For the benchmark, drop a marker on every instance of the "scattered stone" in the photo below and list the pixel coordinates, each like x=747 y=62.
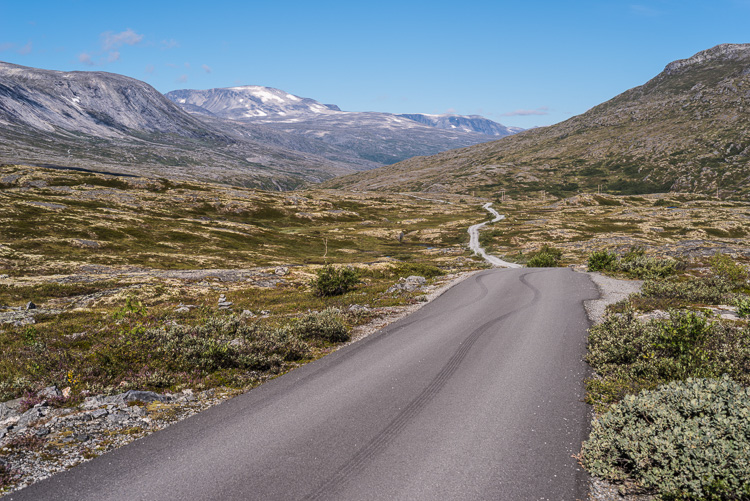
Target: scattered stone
x=247 y=314
x=90 y=244
x=66 y=392
x=182 y=309
x=30 y=306
x=235 y=342
x=408 y=284
x=117 y=416
x=42 y=432
x=355 y=308
x=4 y=276
x=99 y=413
x=281 y=271
x=10 y=409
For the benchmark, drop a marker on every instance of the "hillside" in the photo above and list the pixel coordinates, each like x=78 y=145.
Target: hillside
x=119 y=124
x=363 y=139
x=687 y=129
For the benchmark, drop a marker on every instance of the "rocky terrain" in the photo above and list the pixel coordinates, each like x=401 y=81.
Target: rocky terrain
x=684 y=130
x=366 y=139
x=110 y=122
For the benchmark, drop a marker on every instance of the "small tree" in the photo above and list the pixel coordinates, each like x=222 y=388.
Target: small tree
x=332 y=281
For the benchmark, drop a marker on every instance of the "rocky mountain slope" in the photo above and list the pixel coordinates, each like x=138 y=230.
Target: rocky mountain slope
x=470 y=123
x=119 y=124
x=365 y=139
x=687 y=129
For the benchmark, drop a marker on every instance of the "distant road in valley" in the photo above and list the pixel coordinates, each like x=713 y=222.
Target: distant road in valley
x=476 y=396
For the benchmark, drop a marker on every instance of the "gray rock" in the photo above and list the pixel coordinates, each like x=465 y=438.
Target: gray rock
x=99 y=413
x=83 y=437
x=182 y=309
x=30 y=306
x=30 y=416
x=281 y=271
x=42 y=432
x=409 y=284
x=10 y=408
x=117 y=417
x=248 y=314
x=49 y=392
x=144 y=396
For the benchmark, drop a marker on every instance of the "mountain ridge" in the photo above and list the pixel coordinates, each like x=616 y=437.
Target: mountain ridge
x=686 y=129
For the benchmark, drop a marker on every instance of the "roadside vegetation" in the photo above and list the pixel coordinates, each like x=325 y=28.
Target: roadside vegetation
x=671 y=381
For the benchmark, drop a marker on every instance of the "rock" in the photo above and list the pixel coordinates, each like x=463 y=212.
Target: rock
x=223 y=303
x=248 y=314
x=90 y=244
x=9 y=409
x=144 y=396
x=3 y=276
x=66 y=392
x=30 y=306
x=235 y=342
x=83 y=437
x=30 y=416
x=409 y=284
x=182 y=309
x=117 y=417
x=281 y=271
x=99 y=413
x=49 y=392
x=42 y=432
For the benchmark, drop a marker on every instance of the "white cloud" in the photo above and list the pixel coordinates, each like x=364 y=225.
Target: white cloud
x=113 y=56
x=85 y=58
x=542 y=110
x=169 y=44
x=26 y=48
x=6 y=46
x=150 y=68
x=206 y=68
x=182 y=79
x=111 y=40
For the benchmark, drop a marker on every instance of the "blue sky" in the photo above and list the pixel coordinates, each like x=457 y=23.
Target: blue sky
x=519 y=63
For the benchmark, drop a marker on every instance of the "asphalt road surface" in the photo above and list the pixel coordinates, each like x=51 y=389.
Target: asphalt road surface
x=475 y=396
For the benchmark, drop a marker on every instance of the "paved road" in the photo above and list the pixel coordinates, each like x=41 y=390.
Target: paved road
x=474 y=240
x=475 y=396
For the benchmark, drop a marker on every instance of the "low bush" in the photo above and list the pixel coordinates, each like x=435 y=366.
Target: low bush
x=731 y=271
x=685 y=440
x=629 y=355
x=633 y=263
x=332 y=281
x=602 y=261
x=546 y=257
x=704 y=290
x=326 y=325
x=743 y=307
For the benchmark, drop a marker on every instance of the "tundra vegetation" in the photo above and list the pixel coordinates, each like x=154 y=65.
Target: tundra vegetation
x=152 y=284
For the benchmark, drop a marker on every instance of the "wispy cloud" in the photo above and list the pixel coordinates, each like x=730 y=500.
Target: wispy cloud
x=150 y=68
x=206 y=68
x=542 y=110
x=182 y=79
x=26 y=48
x=6 y=46
x=643 y=10
x=85 y=58
x=169 y=44
x=109 y=44
x=112 y=40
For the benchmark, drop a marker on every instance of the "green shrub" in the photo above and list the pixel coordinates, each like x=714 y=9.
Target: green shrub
x=725 y=267
x=332 y=281
x=629 y=355
x=686 y=440
x=421 y=269
x=647 y=267
x=743 y=307
x=705 y=290
x=325 y=325
x=602 y=261
x=546 y=257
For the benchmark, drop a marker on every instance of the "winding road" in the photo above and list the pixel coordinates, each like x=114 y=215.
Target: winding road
x=477 y=395
x=474 y=240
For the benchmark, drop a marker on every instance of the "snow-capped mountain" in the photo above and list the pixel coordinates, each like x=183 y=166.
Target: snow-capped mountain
x=367 y=139
x=468 y=123
x=249 y=102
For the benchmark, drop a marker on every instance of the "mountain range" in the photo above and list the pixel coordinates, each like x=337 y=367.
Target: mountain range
x=687 y=129
x=274 y=140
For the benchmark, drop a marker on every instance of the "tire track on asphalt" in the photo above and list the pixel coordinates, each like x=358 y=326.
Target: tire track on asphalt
x=385 y=437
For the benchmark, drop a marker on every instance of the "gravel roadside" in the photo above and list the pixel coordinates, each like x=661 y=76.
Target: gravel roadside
x=611 y=290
